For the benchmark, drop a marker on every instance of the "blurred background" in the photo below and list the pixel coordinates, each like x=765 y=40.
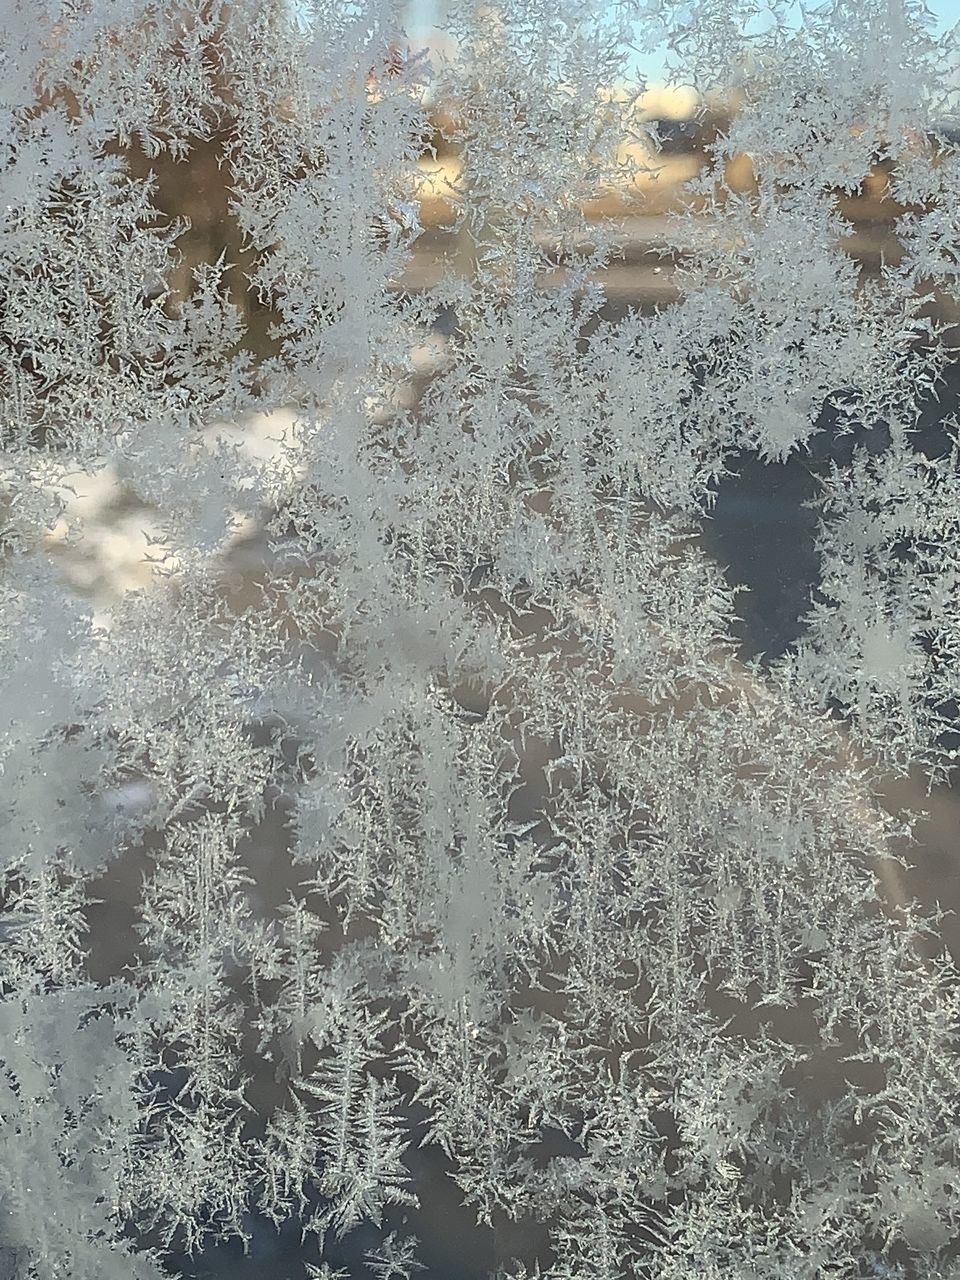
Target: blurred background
x=642 y=277
x=761 y=529
x=682 y=122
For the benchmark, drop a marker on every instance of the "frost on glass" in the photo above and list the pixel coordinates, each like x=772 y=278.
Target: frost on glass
x=381 y=770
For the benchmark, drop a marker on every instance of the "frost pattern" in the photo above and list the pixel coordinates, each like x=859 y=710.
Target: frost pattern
x=369 y=521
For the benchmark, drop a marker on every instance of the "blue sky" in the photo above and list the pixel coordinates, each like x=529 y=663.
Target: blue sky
x=423 y=14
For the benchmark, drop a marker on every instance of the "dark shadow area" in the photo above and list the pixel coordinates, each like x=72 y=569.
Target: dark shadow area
x=764 y=535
